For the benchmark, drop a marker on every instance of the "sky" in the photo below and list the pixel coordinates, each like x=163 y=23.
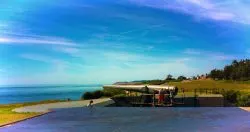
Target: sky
x=102 y=42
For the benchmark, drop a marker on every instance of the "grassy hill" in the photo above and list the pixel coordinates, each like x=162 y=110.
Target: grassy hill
x=236 y=93
x=209 y=83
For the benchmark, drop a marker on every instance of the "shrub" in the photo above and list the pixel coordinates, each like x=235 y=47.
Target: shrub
x=110 y=92
x=243 y=100
x=120 y=95
x=107 y=92
x=92 y=95
x=97 y=94
x=236 y=98
x=231 y=96
x=87 y=95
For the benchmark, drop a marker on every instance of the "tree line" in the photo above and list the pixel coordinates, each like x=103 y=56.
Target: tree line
x=237 y=70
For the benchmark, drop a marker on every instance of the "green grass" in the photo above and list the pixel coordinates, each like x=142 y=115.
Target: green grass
x=8 y=116
x=203 y=84
x=236 y=93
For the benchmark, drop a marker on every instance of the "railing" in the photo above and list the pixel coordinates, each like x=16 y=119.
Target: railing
x=184 y=97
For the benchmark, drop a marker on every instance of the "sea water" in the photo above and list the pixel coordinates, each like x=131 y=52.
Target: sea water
x=18 y=94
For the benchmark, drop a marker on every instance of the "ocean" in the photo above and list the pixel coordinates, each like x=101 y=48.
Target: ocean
x=19 y=94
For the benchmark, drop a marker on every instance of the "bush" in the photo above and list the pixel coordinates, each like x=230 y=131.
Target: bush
x=243 y=100
x=236 y=98
x=231 y=96
x=107 y=92
x=87 y=95
x=92 y=95
x=110 y=92
x=97 y=94
x=120 y=95
x=154 y=82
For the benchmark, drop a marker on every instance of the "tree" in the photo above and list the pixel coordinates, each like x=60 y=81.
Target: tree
x=216 y=74
x=181 y=78
x=169 y=77
x=228 y=72
x=194 y=78
x=235 y=63
x=238 y=70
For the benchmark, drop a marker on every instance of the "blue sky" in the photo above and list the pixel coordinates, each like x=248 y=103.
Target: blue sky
x=97 y=41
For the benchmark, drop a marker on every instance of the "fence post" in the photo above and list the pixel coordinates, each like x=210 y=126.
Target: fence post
x=183 y=95
x=153 y=99
x=195 y=99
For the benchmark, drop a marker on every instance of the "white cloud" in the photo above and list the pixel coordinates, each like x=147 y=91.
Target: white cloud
x=42 y=40
x=220 y=15
x=201 y=3
x=227 y=10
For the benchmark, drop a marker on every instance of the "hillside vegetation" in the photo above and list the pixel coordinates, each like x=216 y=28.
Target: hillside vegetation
x=212 y=84
x=237 y=70
x=233 y=82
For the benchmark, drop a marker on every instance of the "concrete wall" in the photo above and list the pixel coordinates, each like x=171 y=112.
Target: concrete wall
x=210 y=101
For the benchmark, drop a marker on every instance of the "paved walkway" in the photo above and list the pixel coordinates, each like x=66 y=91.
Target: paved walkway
x=70 y=104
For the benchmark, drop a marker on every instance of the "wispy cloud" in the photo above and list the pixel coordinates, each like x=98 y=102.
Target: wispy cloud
x=233 y=10
x=210 y=54
x=183 y=60
x=41 y=58
x=123 y=56
x=223 y=57
x=3 y=25
x=42 y=40
x=144 y=29
x=57 y=65
x=137 y=72
x=192 y=52
x=68 y=50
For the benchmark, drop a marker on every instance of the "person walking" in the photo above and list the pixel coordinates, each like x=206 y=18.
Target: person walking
x=161 y=96
x=90 y=104
x=171 y=97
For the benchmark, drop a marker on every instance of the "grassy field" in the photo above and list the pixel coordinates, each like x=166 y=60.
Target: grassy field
x=8 y=116
x=203 y=84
